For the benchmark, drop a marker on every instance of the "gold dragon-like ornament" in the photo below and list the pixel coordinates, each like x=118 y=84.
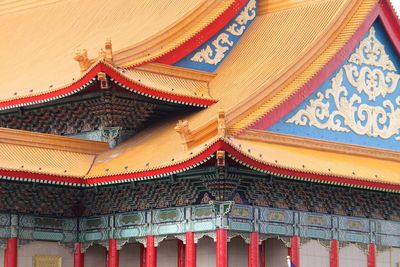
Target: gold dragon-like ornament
x=216 y=52
x=371 y=73
x=106 y=55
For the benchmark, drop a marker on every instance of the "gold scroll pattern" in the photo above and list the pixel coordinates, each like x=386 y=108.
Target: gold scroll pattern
x=215 y=53
x=371 y=73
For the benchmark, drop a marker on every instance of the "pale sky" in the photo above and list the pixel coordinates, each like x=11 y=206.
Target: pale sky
x=396 y=4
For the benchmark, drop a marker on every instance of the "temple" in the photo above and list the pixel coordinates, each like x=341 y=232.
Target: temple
x=259 y=133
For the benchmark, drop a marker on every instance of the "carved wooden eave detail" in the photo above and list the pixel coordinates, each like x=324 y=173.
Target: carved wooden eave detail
x=182 y=128
x=105 y=55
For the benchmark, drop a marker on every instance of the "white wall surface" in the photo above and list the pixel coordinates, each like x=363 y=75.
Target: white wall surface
x=27 y=252
x=352 y=256
x=388 y=258
x=1 y=257
x=237 y=252
x=129 y=255
x=314 y=254
x=167 y=254
x=275 y=253
x=95 y=256
x=205 y=253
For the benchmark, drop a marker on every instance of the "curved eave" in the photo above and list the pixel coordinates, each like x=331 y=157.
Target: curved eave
x=233 y=151
x=294 y=92
x=171 y=51
x=117 y=77
x=277 y=170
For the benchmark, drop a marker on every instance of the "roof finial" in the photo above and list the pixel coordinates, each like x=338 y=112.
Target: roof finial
x=182 y=128
x=106 y=54
x=83 y=60
x=221 y=123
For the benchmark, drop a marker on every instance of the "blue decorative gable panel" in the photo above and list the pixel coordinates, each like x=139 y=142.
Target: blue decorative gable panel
x=360 y=102
x=211 y=54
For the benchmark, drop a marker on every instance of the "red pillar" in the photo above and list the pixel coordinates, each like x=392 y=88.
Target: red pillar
x=113 y=260
x=78 y=256
x=11 y=258
x=371 y=255
x=253 y=254
x=334 y=254
x=190 y=257
x=142 y=256
x=151 y=252
x=262 y=253
x=181 y=253
x=222 y=248
x=294 y=251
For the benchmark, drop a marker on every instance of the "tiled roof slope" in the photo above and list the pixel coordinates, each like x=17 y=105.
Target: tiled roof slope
x=39 y=40
x=281 y=51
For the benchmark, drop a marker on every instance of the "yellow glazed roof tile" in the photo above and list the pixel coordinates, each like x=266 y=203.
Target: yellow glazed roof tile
x=57 y=30
x=331 y=45
x=320 y=162
x=276 y=55
x=44 y=161
x=169 y=84
x=271 y=51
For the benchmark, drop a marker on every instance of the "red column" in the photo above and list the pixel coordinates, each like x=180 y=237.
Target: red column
x=190 y=257
x=334 y=254
x=253 y=254
x=11 y=258
x=181 y=254
x=294 y=251
x=78 y=256
x=371 y=255
x=262 y=252
x=151 y=252
x=142 y=256
x=222 y=248
x=113 y=260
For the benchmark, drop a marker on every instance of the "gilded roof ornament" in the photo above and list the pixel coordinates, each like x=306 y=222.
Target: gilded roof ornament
x=182 y=128
x=105 y=55
x=83 y=60
x=221 y=124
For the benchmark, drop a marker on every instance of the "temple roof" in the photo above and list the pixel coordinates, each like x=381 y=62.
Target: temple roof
x=289 y=44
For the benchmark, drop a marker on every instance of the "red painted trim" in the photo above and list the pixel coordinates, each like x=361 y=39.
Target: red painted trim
x=295 y=250
x=305 y=175
x=101 y=67
x=371 y=255
x=122 y=79
x=274 y=116
x=113 y=257
x=391 y=24
x=78 y=256
x=142 y=255
x=181 y=253
x=201 y=157
x=334 y=254
x=222 y=248
x=151 y=252
x=12 y=252
x=254 y=252
x=203 y=36
x=190 y=259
